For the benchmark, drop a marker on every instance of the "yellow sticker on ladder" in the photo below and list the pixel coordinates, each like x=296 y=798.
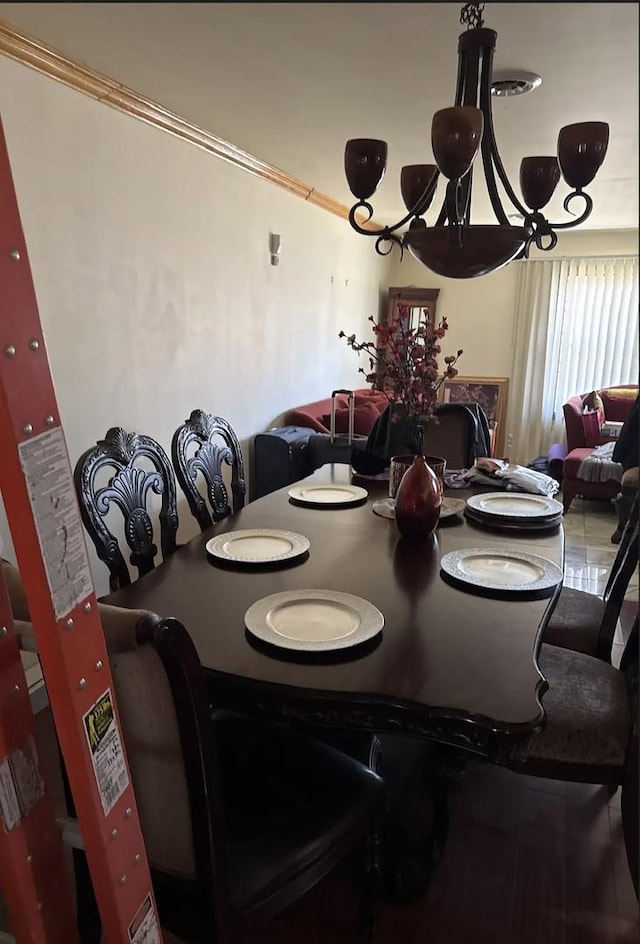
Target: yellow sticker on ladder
x=107 y=755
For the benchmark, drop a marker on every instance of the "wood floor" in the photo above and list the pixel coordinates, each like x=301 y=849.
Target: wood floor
x=527 y=862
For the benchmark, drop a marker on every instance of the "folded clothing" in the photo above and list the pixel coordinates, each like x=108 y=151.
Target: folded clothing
x=599 y=465
x=513 y=478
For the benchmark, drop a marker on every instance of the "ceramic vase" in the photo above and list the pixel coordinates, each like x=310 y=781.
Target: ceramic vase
x=418 y=501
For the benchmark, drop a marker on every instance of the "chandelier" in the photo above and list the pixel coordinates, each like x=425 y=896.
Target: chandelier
x=454 y=246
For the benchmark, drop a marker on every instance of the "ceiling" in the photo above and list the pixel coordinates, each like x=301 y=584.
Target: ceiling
x=291 y=82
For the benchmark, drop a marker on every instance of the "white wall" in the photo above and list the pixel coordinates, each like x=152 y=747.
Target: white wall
x=151 y=266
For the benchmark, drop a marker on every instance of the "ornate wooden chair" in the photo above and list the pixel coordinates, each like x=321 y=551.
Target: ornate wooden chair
x=128 y=489
x=239 y=819
x=585 y=622
x=206 y=431
x=591 y=732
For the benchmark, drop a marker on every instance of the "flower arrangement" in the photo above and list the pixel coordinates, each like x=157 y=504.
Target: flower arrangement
x=403 y=362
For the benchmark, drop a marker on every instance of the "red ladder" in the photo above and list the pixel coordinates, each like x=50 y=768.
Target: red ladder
x=42 y=510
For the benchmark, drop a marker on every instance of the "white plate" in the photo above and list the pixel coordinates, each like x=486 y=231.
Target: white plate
x=386 y=507
x=496 y=568
x=257 y=546
x=327 y=494
x=313 y=620
x=514 y=505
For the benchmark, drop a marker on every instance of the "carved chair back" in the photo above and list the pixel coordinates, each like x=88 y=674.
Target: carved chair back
x=216 y=443
x=623 y=569
x=128 y=489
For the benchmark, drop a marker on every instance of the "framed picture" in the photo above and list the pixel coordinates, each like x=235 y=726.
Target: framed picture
x=491 y=394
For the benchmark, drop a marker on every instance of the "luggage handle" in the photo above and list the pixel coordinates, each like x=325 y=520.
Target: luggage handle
x=352 y=406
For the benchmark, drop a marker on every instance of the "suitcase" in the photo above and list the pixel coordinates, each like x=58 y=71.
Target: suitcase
x=280 y=456
x=329 y=448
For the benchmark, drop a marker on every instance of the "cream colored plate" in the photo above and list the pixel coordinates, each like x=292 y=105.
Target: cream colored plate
x=313 y=620
x=328 y=494
x=495 y=568
x=257 y=546
x=514 y=505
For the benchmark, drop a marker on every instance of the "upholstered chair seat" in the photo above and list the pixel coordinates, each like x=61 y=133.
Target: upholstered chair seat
x=589 y=719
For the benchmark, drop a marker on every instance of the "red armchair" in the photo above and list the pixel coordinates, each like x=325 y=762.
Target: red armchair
x=617 y=405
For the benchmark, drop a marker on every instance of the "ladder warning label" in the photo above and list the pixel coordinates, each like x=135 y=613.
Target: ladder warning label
x=45 y=464
x=144 y=927
x=107 y=755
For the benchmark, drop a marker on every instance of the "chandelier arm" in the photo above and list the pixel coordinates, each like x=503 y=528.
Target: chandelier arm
x=392 y=240
x=469 y=188
x=442 y=215
x=488 y=140
x=579 y=219
x=460 y=77
x=489 y=132
x=384 y=232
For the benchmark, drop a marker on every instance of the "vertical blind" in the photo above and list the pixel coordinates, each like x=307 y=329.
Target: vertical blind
x=593 y=331
x=575 y=330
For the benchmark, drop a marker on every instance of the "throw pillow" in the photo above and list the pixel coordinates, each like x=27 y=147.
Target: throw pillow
x=618 y=402
x=593 y=401
x=363 y=419
x=591 y=420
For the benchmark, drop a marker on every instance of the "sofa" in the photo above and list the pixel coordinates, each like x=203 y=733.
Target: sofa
x=584 y=433
x=368 y=406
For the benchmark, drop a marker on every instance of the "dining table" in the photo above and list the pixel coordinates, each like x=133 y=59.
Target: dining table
x=453 y=664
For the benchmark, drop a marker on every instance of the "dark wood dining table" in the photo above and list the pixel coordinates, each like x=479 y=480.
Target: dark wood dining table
x=451 y=665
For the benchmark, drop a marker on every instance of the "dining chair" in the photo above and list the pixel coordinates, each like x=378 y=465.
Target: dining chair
x=123 y=458
x=215 y=443
x=240 y=819
x=585 y=622
x=591 y=730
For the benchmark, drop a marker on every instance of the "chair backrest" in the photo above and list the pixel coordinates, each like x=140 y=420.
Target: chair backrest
x=630 y=524
x=170 y=744
x=215 y=443
x=128 y=489
x=624 y=567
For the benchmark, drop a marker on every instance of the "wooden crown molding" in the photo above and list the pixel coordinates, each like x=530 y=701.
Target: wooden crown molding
x=31 y=52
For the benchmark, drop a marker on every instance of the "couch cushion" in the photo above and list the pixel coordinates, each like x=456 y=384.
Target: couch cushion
x=618 y=402
x=573 y=460
x=363 y=419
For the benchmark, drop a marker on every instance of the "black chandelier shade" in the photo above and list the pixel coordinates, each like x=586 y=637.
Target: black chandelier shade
x=463 y=137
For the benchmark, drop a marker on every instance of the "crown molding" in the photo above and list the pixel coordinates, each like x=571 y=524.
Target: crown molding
x=31 y=52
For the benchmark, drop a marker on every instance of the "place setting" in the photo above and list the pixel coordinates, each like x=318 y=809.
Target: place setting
x=514 y=511
x=327 y=495
x=257 y=547
x=314 y=623
x=502 y=571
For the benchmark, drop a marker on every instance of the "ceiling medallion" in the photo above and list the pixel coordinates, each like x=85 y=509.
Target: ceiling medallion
x=454 y=246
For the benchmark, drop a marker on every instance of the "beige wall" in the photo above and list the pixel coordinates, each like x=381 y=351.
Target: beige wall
x=151 y=266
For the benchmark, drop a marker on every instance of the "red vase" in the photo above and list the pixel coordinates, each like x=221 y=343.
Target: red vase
x=418 y=501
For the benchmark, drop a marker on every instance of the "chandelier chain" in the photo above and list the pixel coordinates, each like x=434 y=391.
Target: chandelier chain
x=471 y=14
